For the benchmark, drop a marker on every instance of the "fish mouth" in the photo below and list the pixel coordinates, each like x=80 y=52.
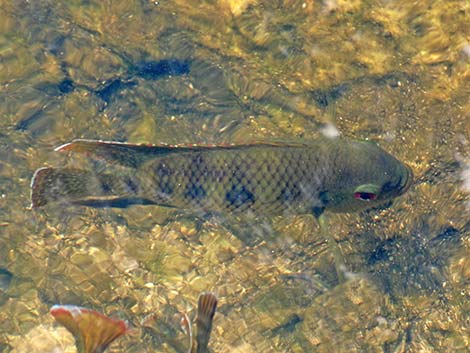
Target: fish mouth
x=408 y=180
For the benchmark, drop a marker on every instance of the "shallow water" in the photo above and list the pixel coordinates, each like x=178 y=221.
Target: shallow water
x=395 y=72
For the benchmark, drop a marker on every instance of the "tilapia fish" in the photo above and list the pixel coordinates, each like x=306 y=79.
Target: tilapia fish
x=266 y=178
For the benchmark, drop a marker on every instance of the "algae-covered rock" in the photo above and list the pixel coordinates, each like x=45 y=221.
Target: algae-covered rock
x=353 y=317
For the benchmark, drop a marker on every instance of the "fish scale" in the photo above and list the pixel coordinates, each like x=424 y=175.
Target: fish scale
x=257 y=180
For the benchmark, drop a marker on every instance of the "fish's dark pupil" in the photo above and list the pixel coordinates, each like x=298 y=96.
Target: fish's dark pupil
x=365 y=196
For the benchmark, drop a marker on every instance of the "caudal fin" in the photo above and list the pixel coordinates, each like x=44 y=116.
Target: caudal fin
x=81 y=187
x=51 y=184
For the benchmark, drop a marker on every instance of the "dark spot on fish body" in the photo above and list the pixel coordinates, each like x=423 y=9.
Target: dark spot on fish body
x=318 y=211
x=165 y=188
x=131 y=186
x=323 y=198
x=195 y=192
x=239 y=198
x=106 y=187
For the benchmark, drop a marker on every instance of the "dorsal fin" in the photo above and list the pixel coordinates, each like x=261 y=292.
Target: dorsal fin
x=127 y=154
x=132 y=155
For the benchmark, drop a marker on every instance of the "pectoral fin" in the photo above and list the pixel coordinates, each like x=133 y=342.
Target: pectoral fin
x=338 y=256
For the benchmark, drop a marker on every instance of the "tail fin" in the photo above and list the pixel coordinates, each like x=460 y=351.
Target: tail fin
x=50 y=184
x=207 y=305
x=76 y=186
x=93 y=331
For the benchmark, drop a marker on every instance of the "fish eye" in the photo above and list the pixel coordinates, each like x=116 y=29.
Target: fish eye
x=365 y=196
x=367 y=192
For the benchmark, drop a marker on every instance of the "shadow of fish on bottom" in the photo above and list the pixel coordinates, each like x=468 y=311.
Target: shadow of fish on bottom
x=94 y=332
